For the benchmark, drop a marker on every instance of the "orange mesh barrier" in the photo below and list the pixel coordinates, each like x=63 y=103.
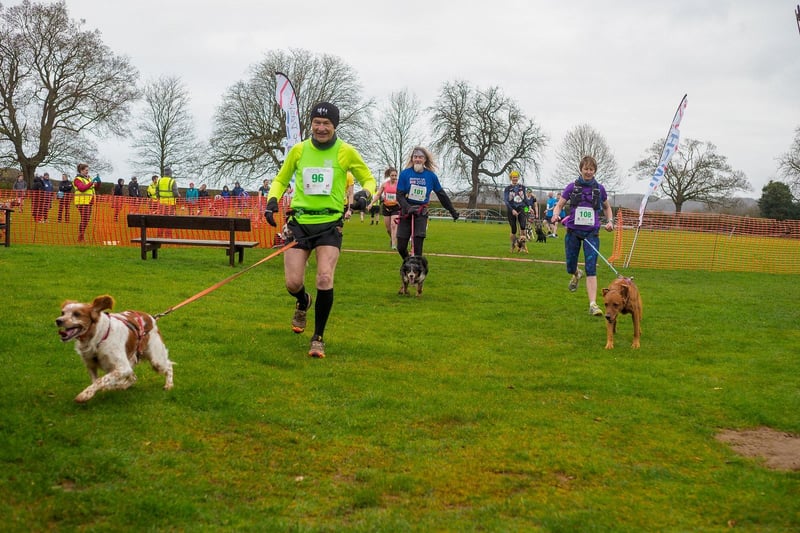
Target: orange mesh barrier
x=695 y=241
x=43 y=218
x=714 y=242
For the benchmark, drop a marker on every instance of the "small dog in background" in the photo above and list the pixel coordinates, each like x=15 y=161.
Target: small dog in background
x=540 y=234
x=112 y=342
x=413 y=272
x=622 y=297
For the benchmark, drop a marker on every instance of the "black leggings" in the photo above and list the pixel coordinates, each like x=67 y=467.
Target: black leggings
x=520 y=219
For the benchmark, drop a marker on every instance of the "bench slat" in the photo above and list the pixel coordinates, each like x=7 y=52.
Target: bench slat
x=229 y=224
x=197 y=242
x=138 y=220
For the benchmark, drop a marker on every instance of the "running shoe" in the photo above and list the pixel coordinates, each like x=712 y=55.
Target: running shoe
x=299 y=318
x=573 y=283
x=595 y=310
x=317 y=348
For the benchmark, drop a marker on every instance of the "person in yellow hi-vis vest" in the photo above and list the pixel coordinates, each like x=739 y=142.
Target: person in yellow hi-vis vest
x=84 y=198
x=167 y=192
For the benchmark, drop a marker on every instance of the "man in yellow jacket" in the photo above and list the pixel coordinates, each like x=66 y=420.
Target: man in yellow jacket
x=167 y=192
x=320 y=165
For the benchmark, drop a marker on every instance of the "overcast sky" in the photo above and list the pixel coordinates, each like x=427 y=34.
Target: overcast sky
x=620 y=66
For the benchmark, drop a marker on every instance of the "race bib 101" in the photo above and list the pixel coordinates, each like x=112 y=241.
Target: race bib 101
x=417 y=193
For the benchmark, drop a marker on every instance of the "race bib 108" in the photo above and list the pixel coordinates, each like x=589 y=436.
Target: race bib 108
x=584 y=216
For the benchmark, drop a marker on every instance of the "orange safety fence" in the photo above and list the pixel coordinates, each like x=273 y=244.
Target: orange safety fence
x=42 y=218
x=695 y=241
x=713 y=242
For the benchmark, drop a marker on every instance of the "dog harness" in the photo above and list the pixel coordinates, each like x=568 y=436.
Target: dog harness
x=135 y=322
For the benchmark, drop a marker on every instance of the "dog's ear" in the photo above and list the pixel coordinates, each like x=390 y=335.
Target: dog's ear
x=605 y=291
x=103 y=303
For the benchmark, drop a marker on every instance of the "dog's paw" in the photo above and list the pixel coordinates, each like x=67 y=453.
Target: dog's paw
x=83 y=397
x=635 y=344
x=609 y=346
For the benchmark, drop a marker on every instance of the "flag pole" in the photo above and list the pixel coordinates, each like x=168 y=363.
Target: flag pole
x=670 y=147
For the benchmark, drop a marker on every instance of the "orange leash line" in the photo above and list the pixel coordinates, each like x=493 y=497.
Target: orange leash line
x=224 y=281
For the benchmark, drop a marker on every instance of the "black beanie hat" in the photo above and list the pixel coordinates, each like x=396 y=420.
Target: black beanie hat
x=326 y=110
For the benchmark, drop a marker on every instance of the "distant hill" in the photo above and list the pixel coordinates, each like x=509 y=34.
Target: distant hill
x=744 y=206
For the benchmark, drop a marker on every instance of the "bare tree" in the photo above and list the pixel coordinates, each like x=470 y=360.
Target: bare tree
x=581 y=141
x=485 y=135
x=696 y=172
x=165 y=134
x=58 y=84
x=249 y=129
x=789 y=165
x=395 y=130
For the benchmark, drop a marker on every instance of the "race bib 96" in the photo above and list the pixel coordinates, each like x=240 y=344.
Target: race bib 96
x=317 y=180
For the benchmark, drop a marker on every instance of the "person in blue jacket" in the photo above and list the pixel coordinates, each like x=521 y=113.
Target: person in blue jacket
x=414 y=187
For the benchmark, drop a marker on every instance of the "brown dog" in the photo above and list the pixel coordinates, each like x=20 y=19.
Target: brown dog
x=521 y=244
x=622 y=296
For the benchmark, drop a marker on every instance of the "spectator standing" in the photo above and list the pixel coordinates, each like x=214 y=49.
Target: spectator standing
x=167 y=191
x=47 y=197
x=239 y=197
x=64 y=198
x=192 y=196
x=202 y=197
x=119 y=198
x=264 y=189
x=37 y=192
x=133 y=188
x=20 y=187
x=152 y=189
x=84 y=198
x=262 y=195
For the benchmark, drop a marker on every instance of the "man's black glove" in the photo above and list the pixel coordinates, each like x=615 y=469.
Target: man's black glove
x=269 y=214
x=454 y=214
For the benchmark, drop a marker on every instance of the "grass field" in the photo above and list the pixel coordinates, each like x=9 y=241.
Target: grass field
x=489 y=404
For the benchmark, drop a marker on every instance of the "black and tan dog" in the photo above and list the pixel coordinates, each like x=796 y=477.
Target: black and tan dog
x=413 y=272
x=622 y=297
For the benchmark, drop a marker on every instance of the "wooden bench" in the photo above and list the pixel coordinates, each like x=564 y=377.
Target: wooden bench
x=5 y=224
x=153 y=243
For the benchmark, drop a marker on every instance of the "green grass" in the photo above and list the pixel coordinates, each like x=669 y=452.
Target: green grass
x=489 y=404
